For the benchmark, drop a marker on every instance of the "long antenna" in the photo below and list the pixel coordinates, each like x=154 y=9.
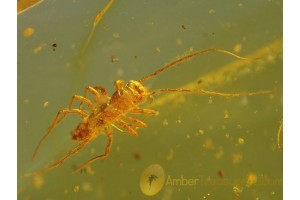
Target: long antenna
x=180 y=60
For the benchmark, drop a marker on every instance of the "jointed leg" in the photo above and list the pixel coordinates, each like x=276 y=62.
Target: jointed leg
x=106 y=153
x=82 y=100
x=56 y=164
x=136 y=122
x=102 y=90
x=58 y=118
x=95 y=94
x=129 y=129
x=126 y=131
x=117 y=128
x=147 y=112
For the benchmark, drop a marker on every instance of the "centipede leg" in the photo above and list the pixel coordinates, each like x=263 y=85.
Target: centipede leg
x=129 y=129
x=135 y=122
x=147 y=112
x=58 y=118
x=106 y=153
x=56 y=164
x=82 y=100
x=95 y=93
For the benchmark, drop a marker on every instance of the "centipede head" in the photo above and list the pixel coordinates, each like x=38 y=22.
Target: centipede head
x=138 y=90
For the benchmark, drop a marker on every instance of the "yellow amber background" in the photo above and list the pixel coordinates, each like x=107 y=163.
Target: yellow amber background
x=194 y=136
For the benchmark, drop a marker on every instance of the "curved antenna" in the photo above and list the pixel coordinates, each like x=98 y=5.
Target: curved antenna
x=211 y=92
x=180 y=60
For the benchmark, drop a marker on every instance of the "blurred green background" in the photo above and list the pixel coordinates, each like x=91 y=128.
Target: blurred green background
x=229 y=144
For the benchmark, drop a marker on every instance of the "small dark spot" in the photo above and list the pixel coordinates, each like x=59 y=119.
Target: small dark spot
x=100 y=121
x=199 y=81
x=137 y=156
x=221 y=173
x=135 y=57
x=183 y=26
x=54 y=45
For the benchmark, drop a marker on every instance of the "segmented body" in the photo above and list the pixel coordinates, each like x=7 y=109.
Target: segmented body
x=113 y=112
